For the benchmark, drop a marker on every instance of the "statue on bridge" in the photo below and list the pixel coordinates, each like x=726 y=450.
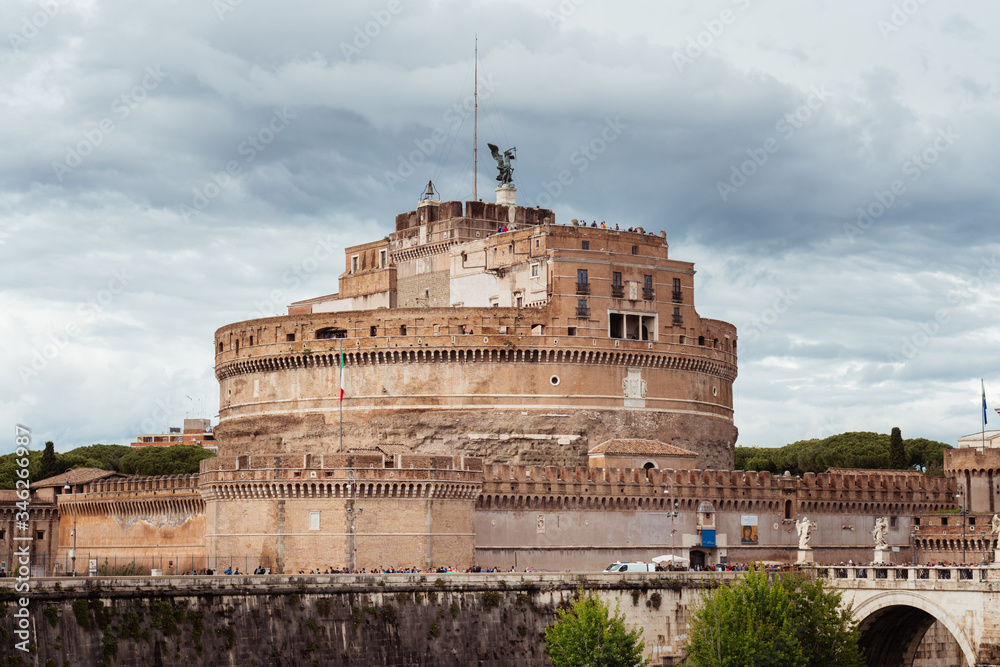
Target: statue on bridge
x=804 y=527
x=879 y=532
x=995 y=525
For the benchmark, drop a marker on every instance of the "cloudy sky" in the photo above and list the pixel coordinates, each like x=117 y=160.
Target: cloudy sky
x=168 y=167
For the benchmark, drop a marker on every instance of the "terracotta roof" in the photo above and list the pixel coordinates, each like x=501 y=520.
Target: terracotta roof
x=637 y=446
x=77 y=476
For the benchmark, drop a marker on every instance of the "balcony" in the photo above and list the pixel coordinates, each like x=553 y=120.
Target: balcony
x=678 y=320
x=618 y=291
x=582 y=311
x=648 y=293
x=583 y=288
x=678 y=298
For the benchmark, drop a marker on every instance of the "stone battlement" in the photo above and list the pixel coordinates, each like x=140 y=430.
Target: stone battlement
x=729 y=490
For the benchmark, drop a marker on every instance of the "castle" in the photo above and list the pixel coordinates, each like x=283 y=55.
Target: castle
x=516 y=393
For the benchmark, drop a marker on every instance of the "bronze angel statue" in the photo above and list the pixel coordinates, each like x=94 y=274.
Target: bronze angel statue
x=506 y=175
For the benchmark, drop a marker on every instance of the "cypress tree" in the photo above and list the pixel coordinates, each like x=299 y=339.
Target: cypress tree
x=897 y=453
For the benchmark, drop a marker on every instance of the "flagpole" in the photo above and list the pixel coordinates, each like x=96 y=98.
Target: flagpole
x=982 y=383
x=341 y=450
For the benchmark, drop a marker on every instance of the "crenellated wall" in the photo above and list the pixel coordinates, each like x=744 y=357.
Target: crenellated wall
x=345 y=511
x=558 y=518
x=133 y=525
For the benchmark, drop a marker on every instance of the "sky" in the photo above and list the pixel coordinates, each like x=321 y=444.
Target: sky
x=831 y=168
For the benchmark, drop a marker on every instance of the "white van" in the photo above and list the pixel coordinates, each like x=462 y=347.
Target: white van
x=630 y=567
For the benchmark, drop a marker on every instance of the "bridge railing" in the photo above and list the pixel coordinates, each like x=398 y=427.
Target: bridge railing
x=914 y=573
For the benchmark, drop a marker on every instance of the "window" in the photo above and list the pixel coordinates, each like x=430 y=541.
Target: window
x=330 y=332
x=581 y=276
x=520 y=301
x=39 y=534
x=701 y=340
x=677 y=289
x=944 y=521
x=677 y=316
x=617 y=289
x=616 y=278
x=538 y=244
x=681 y=339
x=290 y=338
x=373 y=331
x=916 y=521
x=585 y=245
x=635 y=250
x=581 y=308
x=535 y=270
x=647 y=288
x=631 y=325
x=314 y=520
x=220 y=347
x=383 y=257
x=251 y=340
x=354 y=263
x=237 y=344
x=402 y=329
x=570 y=331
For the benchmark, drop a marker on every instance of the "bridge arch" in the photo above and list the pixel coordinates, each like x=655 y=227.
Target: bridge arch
x=892 y=624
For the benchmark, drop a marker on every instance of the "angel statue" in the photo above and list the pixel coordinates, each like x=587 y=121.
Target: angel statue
x=879 y=532
x=995 y=525
x=805 y=527
x=506 y=175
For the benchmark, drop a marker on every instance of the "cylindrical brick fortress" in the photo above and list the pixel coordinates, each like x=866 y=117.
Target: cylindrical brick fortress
x=511 y=397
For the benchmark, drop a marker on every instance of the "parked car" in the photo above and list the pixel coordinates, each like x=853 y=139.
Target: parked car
x=622 y=566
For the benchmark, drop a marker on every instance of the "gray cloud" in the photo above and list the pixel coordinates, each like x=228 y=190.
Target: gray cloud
x=175 y=102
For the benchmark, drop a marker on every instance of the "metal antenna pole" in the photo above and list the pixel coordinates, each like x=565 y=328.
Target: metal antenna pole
x=475 y=131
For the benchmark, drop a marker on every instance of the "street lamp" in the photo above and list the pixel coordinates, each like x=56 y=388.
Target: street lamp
x=984 y=547
x=72 y=553
x=673 y=515
x=962 y=512
x=352 y=513
x=913 y=548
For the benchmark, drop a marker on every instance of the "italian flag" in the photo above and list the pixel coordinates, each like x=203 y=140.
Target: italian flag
x=341 y=372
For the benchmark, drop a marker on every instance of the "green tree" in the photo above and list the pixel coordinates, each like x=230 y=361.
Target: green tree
x=897 y=453
x=172 y=460
x=789 y=622
x=587 y=635
x=50 y=466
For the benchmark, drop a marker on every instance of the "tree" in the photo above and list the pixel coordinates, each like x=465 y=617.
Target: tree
x=50 y=466
x=791 y=622
x=170 y=460
x=587 y=635
x=897 y=453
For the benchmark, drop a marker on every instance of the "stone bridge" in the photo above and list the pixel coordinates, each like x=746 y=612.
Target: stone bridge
x=895 y=606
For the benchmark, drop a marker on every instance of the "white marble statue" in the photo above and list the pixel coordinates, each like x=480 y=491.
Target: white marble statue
x=805 y=527
x=879 y=532
x=995 y=525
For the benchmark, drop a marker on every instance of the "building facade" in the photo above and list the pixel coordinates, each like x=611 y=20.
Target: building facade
x=487 y=331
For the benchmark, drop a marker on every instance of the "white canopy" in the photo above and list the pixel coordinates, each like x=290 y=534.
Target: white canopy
x=670 y=558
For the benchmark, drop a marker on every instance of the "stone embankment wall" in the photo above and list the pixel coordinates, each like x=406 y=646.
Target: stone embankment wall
x=494 y=620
